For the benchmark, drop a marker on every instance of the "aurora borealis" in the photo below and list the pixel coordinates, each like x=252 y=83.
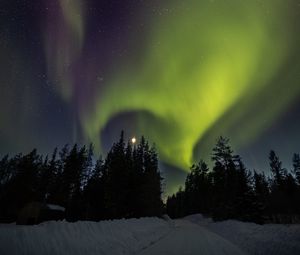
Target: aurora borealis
x=180 y=72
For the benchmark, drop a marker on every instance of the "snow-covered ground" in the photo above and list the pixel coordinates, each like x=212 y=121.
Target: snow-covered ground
x=253 y=238
x=85 y=237
x=188 y=238
x=191 y=235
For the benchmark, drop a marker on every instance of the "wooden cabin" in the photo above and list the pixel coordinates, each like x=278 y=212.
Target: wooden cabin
x=36 y=212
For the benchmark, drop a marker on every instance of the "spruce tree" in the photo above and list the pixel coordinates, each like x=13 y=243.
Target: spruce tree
x=176 y=207
x=296 y=165
x=222 y=172
x=277 y=170
x=296 y=172
x=279 y=199
x=152 y=179
x=232 y=191
x=116 y=186
x=245 y=201
x=94 y=193
x=262 y=193
x=198 y=189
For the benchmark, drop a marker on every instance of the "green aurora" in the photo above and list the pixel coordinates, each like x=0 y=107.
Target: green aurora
x=208 y=68
x=180 y=72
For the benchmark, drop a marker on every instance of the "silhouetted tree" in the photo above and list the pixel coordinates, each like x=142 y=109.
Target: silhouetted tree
x=296 y=172
x=151 y=189
x=198 y=188
x=245 y=202
x=277 y=170
x=262 y=193
x=94 y=193
x=296 y=165
x=4 y=171
x=176 y=207
x=224 y=179
x=225 y=193
x=127 y=183
x=283 y=198
x=116 y=186
x=22 y=186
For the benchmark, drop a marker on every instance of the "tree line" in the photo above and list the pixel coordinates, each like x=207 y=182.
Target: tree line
x=231 y=191
x=124 y=184
x=127 y=183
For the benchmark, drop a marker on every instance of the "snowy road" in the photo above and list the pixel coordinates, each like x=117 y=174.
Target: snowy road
x=194 y=235
x=190 y=239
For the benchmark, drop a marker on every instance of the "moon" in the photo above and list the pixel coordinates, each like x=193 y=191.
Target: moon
x=133 y=140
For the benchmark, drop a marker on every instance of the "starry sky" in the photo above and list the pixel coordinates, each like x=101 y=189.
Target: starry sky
x=180 y=72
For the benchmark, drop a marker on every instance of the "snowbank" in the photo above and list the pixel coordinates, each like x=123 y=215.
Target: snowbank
x=150 y=236
x=105 y=237
x=253 y=238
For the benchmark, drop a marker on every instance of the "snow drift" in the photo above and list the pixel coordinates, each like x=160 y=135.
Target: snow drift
x=105 y=237
x=253 y=238
x=194 y=234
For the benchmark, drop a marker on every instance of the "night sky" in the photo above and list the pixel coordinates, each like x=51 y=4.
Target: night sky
x=180 y=72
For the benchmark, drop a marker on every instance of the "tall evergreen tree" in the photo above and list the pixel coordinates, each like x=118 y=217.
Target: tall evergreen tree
x=151 y=184
x=56 y=186
x=232 y=191
x=245 y=200
x=23 y=186
x=296 y=172
x=222 y=173
x=4 y=171
x=176 y=206
x=277 y=170
x=116 y=194
x=198 y=189
x=283 y=190
x=262 y=193
x=296 y=165
x=94 y=193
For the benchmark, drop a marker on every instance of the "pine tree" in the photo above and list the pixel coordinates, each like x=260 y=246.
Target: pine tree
x=245 y=201
x=296 y=172
x=134 y=158
x=176 y=207
x=56 y=186
x=151 y=189
x=277 y=170
x=7 y=174
x=262 y=193
x=222 y=173
x=4 y=171
x=296 y=165
x=116 y=186
x=290 y=193
x=279 y=201
x=72 y=179
x=87 y=165
x=94 y=193
x=43 y=181
x=232 y=191
x=23 y=186
x=198 y=189
x=171 y=206
x=54 y=179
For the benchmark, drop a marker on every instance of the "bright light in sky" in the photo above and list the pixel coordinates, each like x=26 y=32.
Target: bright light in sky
x=133 y=140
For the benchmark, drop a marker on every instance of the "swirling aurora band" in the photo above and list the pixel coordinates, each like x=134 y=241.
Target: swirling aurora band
x=216 y=58
x=187 y=70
